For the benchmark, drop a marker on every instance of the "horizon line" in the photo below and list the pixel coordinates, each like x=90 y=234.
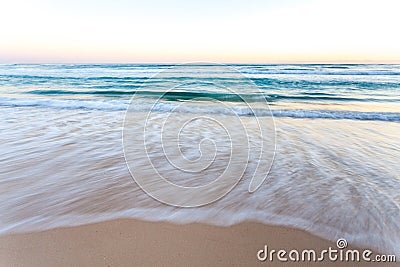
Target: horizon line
x=350 y=62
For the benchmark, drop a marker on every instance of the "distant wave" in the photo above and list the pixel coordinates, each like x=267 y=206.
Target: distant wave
x=207 y=96
x=64 y=103
x=329 y=114
x=316 y=72
x=121 y=105
x=122 y=85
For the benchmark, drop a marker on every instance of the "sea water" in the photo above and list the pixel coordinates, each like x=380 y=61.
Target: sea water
x=335 y=171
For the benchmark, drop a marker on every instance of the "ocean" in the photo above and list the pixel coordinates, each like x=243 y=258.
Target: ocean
x=321 y=142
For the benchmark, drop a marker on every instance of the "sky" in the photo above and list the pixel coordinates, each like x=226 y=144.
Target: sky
x=156 y=31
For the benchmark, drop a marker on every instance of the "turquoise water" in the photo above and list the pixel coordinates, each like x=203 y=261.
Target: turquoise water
x=375 y=89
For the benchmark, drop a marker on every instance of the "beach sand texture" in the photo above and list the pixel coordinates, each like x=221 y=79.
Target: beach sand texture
x=138 y=243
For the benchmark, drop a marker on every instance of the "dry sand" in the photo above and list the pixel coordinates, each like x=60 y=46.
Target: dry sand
x=138 y=243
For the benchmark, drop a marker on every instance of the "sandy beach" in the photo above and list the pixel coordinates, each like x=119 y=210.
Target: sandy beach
x=138 y=243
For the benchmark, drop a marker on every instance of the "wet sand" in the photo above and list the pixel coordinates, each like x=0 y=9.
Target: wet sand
x=137 y=243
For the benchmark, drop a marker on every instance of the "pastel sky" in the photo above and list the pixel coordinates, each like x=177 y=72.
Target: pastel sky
x=253 y=31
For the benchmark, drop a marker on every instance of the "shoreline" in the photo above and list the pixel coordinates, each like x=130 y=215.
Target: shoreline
x=129 y=242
